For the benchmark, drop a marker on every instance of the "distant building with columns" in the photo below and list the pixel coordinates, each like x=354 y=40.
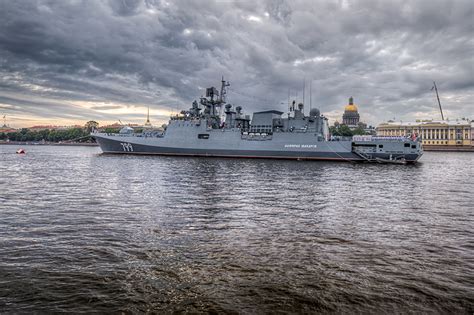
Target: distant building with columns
x=457 y=132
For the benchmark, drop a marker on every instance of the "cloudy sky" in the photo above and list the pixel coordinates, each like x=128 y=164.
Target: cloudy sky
x=70 y=61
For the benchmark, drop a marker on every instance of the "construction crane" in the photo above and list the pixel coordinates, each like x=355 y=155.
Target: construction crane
x=437 y=96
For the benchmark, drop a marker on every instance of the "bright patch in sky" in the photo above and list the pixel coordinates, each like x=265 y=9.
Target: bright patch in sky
x=104 y=60
x=254 y=18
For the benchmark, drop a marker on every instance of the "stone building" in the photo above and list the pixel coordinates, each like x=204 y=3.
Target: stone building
x=432 y=132
x=351 y=115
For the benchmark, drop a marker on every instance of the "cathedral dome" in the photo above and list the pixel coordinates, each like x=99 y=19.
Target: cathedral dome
x=351 y=115
x=351 y=107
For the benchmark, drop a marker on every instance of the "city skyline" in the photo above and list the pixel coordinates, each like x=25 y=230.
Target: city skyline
x=65 y=63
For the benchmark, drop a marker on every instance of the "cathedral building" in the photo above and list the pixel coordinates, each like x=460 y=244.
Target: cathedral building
x=351 y=115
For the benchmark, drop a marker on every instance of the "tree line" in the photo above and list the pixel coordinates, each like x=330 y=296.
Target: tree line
x=82 y=134
x=54 y=135
x=50 y=135
x=345 y=131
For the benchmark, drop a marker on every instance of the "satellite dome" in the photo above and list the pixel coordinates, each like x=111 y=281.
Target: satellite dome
x=126 y=130
x=314 y=112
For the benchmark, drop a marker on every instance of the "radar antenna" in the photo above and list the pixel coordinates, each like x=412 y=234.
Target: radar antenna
x=224 y=84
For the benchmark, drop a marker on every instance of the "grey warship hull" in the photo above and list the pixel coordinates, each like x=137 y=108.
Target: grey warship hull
x=201 y=131
x=221 y=144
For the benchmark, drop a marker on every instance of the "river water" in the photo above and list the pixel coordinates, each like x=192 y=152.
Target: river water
x=84 y=232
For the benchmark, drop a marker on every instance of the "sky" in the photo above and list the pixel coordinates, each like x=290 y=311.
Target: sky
x=66 y=62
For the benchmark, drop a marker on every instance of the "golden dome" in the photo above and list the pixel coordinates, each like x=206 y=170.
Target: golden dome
x=351 y=107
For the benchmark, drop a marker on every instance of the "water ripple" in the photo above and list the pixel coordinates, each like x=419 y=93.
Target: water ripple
x=83 y=232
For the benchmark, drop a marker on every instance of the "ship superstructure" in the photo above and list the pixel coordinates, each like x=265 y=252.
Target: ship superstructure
x=201 y=131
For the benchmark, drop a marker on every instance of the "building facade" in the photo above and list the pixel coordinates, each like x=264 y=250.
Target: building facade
x=432 y=132
x=351 y=115
x=472 y=133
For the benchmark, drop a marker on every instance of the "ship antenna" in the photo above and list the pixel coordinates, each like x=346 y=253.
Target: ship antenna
x=304 y=85
x=148 y=116
x=223 y=91
x=437 y=96
x=288 y=100
x=310 y=94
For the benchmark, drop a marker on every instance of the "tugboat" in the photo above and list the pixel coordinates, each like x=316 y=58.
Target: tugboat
x=200 y=131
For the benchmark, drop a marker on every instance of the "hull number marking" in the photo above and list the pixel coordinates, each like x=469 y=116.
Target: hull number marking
x=127 y=147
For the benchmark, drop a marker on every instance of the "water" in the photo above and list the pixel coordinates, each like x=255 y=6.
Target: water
x=83 y=232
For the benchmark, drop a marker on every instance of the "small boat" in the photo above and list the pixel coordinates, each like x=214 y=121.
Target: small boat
x=20 y=151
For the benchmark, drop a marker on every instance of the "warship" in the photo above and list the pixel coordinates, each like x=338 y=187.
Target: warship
x=204 y=131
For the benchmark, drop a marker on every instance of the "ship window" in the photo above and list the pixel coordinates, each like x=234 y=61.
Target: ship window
x=380 y=146
x=407 y=145
x=203 y=136
x=413 y=146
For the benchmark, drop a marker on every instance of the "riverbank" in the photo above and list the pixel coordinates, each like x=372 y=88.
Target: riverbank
x=88 y=144
x=448 y=148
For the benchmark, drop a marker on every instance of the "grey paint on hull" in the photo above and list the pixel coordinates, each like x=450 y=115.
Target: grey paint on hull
x=110 y=145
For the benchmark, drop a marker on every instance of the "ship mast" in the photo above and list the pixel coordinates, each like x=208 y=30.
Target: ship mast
x=224 y=84
x=304 y=86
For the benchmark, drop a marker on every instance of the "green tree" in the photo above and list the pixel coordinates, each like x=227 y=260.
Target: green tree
x=52 y=136
x=359 y=131
x=43 y=134
x=12 y=136
x=91 y=125
x=111 y=130
x=345 y=131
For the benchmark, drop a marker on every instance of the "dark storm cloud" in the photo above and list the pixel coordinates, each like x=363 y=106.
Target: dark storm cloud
x=83 y=59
